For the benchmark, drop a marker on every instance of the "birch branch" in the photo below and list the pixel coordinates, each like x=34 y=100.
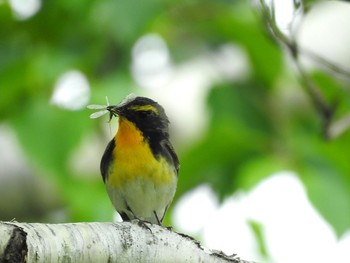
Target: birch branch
x=101 y=242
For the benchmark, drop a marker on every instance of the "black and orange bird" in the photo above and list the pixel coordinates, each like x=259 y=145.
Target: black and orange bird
x=139 y=166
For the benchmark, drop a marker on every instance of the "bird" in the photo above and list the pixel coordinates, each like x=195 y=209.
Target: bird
x=140 y=166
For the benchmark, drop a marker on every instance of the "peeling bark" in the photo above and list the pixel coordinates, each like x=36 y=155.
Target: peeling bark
x=13 y=244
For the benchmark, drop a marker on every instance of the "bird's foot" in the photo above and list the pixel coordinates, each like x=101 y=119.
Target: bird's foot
x=143 y=224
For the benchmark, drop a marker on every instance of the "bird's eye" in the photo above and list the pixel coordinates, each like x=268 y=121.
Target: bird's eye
x=144 y=114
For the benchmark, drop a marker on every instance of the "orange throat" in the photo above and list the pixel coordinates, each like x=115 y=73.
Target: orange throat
x=128 y=134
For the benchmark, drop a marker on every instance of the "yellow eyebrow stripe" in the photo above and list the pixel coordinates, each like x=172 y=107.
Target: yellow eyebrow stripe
x=144 y=108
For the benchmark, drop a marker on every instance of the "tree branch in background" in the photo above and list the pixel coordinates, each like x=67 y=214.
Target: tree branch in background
x=101 y=242
x=331 y=128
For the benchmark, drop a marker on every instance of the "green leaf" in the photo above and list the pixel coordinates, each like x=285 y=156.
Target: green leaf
x=126 y=20
x=329 y=193
x=238 y=133
x=258 y=231
x=335 y=92
x=255 y=170
x=48 y=134
x=87 y=200
x=324 y=169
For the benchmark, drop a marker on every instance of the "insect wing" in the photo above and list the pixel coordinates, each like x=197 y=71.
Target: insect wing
x=127 y=99
x=98 y=114
x=102 y=108
x=96 y=107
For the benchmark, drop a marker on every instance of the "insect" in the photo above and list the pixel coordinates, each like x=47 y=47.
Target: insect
x=103 y=109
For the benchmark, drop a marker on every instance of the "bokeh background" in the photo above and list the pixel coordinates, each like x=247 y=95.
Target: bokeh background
x=258 y=97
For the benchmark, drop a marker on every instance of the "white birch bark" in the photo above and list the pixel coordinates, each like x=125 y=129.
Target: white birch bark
x=100 y=242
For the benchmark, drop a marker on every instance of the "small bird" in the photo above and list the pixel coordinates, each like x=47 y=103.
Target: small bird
x=139 y=166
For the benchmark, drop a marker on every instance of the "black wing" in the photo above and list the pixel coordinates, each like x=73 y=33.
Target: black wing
x=107 y=159
x=171 y=154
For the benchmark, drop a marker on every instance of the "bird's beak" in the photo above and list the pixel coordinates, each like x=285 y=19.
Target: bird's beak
x=113 y=109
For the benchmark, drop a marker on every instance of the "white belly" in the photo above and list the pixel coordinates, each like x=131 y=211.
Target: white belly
x=143 y=197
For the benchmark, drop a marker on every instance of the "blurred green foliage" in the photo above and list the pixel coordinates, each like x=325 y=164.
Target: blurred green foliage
x=256 y=128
